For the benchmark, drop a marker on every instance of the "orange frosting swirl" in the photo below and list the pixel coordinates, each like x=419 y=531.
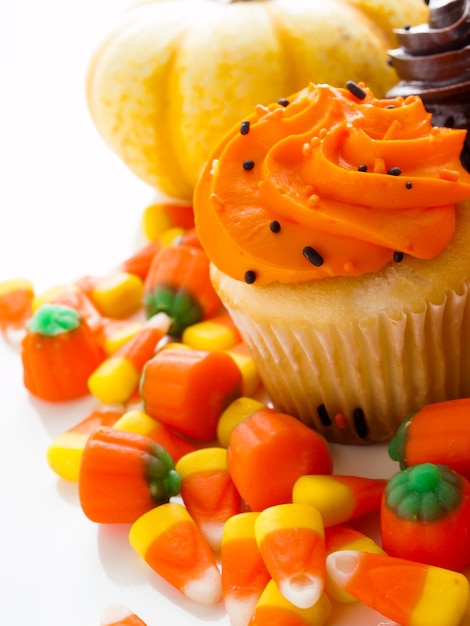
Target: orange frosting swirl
x=331 y=182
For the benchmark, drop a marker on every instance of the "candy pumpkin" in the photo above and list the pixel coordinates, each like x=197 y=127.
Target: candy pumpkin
x=175 y=75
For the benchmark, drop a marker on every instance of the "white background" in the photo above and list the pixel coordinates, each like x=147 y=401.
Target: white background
x=69 y=207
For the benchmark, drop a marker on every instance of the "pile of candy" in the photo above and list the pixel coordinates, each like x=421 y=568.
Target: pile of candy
x=227 y=499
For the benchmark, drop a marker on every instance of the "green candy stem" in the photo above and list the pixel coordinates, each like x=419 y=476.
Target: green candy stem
x=425 y=492
x=54 y=319
x=180 y=305
x=163 y=480
x=397 y=446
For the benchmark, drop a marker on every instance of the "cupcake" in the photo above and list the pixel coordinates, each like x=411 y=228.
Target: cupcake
x=433 y=62
x=339 y=240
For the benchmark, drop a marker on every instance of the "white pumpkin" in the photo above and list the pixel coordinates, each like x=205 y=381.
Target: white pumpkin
x=174 y=75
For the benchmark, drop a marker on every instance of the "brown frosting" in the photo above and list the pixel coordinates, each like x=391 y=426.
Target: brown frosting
x=433 y=62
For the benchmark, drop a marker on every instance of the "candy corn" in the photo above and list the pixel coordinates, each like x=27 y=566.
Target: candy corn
x=117 y=377
x=139 y=262
x=208 y=491
x=157 y=218
x=411 y=593
x=273 y=609
x=236 y=412
x=118 y=295
x=116 y=333
x=168 y=539
x=291 y=540
x=119 y=615
x=217 y=333
x=345 y=538
x=242 y=357
x=339 y=498
x=244 y=573
x=136 y=421
x=16 y=297
x=64 y=454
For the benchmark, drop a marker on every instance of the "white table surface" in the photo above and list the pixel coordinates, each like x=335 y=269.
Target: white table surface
x=69 y=207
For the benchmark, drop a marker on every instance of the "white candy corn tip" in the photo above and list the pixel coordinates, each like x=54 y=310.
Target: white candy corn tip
x=160 y=321
x=113 y=614
x=207 y=589
x=240 y=610
x=342 y=565
x=213 y=534
x=302 y=590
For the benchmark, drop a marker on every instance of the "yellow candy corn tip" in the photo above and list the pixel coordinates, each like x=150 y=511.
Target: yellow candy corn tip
x=240 y=526
x=15 y=284
x=303 y=590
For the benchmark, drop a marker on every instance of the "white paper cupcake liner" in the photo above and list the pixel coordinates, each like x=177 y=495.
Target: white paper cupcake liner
x=356 y=384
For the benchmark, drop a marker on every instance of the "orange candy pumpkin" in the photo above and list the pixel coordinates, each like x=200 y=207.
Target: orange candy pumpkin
x=59 y=352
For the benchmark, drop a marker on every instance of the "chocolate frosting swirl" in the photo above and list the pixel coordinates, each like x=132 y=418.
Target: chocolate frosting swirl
x=433 y=62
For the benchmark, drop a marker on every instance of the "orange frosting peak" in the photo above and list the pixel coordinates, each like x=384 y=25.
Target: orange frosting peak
x=333 y=182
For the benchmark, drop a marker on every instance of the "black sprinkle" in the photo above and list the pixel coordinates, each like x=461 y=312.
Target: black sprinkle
x=406 y=27
x=360 y=423
x=250 y=277
x=323 y=415
x=449 y=122
x=283 y=102
x=362 y=168
x=245 y=127
x=313 y=256
x=275 y=226
x=409 y=185
x=394 y=171
x=390 y=106
x=398 y=256
x=356 y=90
x=248 y=165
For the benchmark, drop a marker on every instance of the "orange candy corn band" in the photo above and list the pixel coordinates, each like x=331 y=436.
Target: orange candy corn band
x=388 y=183
x=208 y=491
x=244 y=573
x=345 y=538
